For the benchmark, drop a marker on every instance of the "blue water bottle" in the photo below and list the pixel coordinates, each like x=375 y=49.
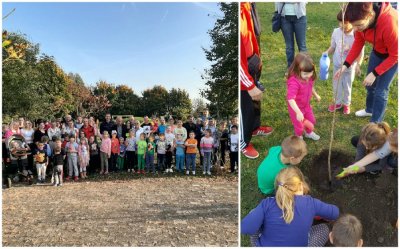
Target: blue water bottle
x=324 y=67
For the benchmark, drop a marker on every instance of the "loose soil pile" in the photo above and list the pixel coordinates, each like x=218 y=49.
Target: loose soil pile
x=372 y=198
x=177 y=211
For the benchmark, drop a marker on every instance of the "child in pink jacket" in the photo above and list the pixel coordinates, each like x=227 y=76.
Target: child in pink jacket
x=300 y=89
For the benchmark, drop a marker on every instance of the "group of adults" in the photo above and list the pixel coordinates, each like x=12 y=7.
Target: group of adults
x=374 y=23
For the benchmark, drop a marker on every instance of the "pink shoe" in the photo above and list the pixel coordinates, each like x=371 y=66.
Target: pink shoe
x=333 y=107
x=346 y=109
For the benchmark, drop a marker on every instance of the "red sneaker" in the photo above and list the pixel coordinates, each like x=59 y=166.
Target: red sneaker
x=75 y=178
x=346 y=109
x=67 y=178
x=333 y=107
x=143 y=172
x=263 y=131
x=250 y=152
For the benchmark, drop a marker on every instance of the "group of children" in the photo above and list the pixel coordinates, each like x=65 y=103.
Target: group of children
x=142 y=151
x=286 y=216
x=286 y=190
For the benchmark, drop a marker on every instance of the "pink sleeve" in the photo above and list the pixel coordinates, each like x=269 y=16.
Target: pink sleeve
x=292 y=88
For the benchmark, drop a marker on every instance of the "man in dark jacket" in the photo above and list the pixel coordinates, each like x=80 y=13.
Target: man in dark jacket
x=107 y=125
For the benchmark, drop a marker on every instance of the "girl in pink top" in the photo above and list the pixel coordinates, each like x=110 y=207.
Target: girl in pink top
x=84 y=157
x=300 y=89
x=105 y=152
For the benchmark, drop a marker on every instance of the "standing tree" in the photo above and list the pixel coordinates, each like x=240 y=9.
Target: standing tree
x=154 y=100
x=198 y=106
x=179 y=103
x=222 y=77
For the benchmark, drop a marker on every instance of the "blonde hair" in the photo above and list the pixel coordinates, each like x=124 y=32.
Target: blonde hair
x=347 y=231
x=293 y=146
x=374 y=135
x=287 y=183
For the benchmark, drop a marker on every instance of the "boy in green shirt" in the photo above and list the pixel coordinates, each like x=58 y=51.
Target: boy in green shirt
x=151 y=147
x=292 y=150
x=141 y=153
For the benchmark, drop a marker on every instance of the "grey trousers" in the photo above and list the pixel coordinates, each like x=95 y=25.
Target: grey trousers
x=104 y=161
x=73 y=164
x=343 y=87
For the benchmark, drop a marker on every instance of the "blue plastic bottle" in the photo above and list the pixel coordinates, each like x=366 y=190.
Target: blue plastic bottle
x=324 y=67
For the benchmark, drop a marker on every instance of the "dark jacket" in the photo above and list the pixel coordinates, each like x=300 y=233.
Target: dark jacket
x=107 y=127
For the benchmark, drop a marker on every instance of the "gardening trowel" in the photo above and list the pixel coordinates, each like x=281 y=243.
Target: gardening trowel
x=344 y=173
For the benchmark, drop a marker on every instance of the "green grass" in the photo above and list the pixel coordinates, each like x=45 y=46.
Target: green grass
x=321 y=22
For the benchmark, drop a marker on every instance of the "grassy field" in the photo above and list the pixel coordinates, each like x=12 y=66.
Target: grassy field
x=321 y=22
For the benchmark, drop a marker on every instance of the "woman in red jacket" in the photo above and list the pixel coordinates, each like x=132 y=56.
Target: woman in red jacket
x=375 y=23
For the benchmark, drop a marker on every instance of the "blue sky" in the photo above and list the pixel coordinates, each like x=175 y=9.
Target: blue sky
x=137 y=44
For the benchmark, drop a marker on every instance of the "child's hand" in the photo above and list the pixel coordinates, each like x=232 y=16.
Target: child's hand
x=300 y=117
x=358 y=70
x=339 y=72
x=318 y=98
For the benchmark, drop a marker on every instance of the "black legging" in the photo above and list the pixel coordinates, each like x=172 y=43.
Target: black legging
x=250 y=117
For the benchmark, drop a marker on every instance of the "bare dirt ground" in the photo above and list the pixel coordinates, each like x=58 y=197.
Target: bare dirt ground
x=171 y=211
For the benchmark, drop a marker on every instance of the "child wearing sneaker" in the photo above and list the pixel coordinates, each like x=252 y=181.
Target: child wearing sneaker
x=151 y=147
x=41 y=161
x=131 y=151
x=206 y=145
x=114 y=150
x=170 y=139
x=58 y=162
x=141 y=153
x=105 y=152
x=342 y=88
x=292 y=150
x=84 y=157
x=233 y=143
x=300 y=89
x=72 y=154
x=121 y=155
x=161 y=150
x=180 y=153
x=191 y=151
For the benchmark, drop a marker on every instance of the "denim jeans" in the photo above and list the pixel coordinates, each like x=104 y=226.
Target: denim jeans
x=150 y=163
x=207 y=161
x=179 y=162
x=291 y=28
x=191 y=161
x=377 y=94
x=160 y=162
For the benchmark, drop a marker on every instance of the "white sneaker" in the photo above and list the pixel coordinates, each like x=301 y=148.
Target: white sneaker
x=204 y=172
x=129 y=170
x=193 y=172
x=312 y=136
x=209 y=173
x=171 y=171
x=363 y=113
x=187 y=172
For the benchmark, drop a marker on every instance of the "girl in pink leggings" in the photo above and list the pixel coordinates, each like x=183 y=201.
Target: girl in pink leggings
x=300 y=89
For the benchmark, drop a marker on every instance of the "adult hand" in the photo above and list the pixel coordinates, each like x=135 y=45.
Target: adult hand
x=369 y=80
x=256 y=94
x=339 y=72
x=300 y=117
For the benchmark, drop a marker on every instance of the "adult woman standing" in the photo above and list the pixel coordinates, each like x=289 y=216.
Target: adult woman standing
x=375 y=23
x=294 y=25
x=27 y=132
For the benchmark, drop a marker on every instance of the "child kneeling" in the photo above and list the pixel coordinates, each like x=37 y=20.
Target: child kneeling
x=292 y=150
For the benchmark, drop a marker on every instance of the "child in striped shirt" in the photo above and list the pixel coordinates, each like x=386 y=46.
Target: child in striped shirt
x=206 y=145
